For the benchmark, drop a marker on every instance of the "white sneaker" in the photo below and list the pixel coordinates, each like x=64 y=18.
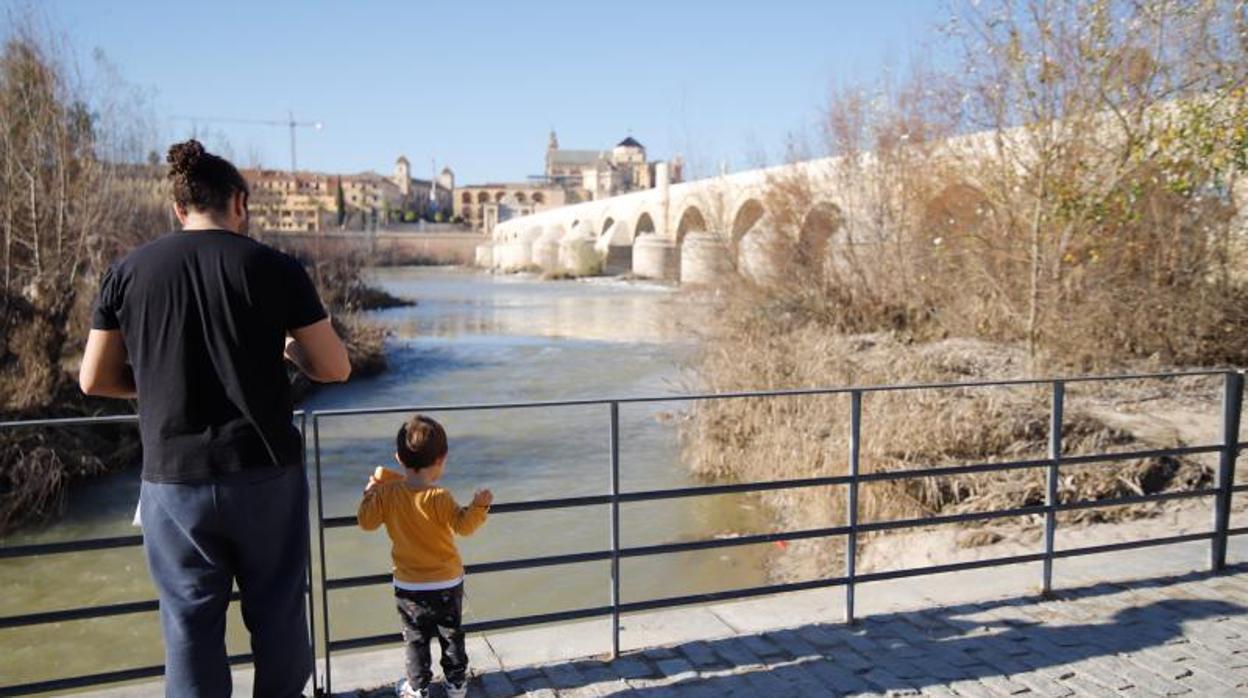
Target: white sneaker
x=454 y=691
x=404 y=689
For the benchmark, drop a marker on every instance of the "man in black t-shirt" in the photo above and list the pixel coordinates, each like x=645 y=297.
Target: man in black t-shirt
x=196 y=325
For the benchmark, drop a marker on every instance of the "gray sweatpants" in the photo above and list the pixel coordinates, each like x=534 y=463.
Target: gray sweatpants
x=199 y=538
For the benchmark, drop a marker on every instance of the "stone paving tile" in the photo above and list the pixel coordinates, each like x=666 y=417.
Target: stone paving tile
x=1185 y=636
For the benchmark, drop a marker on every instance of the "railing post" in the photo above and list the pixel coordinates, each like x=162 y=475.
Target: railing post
x=303 y=459
x=851 y=505
x=1232 y=399
x=320 y=527
x=1051 y=481
x=615 y=530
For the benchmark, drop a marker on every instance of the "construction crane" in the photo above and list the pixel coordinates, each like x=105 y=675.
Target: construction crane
x=288 y=123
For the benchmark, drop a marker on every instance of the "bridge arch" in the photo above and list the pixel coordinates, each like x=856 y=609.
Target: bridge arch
x=483 y=197
x=749 y=213
x=644 y=225
x=615 y=246
x=820 y=224
x=691 y=221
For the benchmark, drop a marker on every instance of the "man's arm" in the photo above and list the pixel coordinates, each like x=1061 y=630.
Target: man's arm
x=318 y=352
x=104 y=370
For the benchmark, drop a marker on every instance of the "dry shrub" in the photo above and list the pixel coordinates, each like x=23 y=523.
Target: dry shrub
x=762 y=439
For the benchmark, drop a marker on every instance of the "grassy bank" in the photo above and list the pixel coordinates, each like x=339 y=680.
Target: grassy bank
x=791 y=438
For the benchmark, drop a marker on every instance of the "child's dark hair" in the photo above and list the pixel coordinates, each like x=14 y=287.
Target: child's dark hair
x=201 y=180
x=421 y=442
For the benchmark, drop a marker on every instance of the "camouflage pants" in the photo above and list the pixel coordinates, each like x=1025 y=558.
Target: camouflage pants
x=430 y=614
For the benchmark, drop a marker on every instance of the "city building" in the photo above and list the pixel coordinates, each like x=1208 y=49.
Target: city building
x=569 y=177
x=482 y=206
x=588 y=175
x=309 y=201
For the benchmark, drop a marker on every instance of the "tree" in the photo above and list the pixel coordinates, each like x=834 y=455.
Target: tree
x=340 y=203
x=1117 y=130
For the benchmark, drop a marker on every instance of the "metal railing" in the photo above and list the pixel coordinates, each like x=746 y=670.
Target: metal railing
x=105 y=610
x=1222 y=492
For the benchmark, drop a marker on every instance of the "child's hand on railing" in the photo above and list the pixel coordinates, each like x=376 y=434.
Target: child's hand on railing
x=483 y=498
x=381 y=474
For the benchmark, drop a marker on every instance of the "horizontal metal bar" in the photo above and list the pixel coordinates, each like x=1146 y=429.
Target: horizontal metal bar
x=542 y=504
x=1136 y=499
x=116 y=609
x=729 y=594
x=599 y=555
x=1132 y=455
x=502 y=508
x=346 y=412
x=754 y=539
x=711 y=597
x=734 y=488
x=100 y=679
x=86 y=612
x=1240 y=488
x=868 y=527
x=578 y=614
x=829 y=481
x=950 y=567
x=948 y=519
x=25 y=689
x=950 y=470
x=71 y=421
x=1237 y=531
x=1132 y=545
x=480 y=568
x=795 y=392
x=83 y=421
x=480 y=626
x=70 y=546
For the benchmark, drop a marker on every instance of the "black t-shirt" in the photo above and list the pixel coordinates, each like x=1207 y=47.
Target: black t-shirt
x=204 y=315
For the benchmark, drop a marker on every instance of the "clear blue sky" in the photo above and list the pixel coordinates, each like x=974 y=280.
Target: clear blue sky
x=479 y=85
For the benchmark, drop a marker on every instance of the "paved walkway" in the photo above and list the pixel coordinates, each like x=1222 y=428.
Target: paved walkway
x=1170 y=636
x=1162 y=626
x=1174 y=634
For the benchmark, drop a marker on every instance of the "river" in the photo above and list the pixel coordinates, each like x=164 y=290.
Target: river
x=472 y=338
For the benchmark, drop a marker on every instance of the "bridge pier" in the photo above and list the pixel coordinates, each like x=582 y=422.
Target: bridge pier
x=546 y=250
x=578 y=256
x=704 y=258
x=512 y=255
x=760 y=255
x=656 y=258
x=618 y=260
x=484 y=258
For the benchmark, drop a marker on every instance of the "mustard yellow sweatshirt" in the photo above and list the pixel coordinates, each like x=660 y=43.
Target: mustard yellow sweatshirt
x=420 y=522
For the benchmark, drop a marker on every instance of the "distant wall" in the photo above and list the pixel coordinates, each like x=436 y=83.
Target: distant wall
x=387 y=247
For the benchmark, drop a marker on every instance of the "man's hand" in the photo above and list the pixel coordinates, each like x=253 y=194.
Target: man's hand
x=483 y=499
x=372 y=483
x=317 y=351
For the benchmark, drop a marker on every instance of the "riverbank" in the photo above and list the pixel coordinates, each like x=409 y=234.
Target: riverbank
x=769 y=439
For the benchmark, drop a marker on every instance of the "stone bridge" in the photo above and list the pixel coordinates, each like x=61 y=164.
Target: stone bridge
x=689 y=232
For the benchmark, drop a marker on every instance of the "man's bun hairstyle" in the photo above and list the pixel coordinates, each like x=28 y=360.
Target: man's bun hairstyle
x=202 y=181
x=421 y=441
